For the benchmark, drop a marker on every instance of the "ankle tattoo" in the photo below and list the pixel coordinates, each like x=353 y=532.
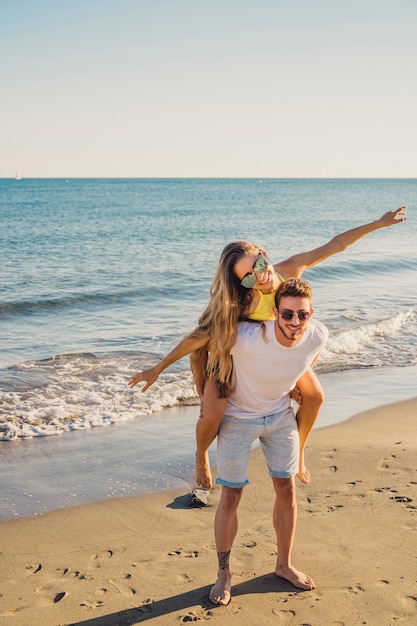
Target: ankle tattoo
x=224 y=558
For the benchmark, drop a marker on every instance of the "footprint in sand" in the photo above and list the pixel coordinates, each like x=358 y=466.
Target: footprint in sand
x=102 y=557
x=121 y=585
x=92 y=605
x=405 y=501
x=386 y=462
x=334 y=508
x=95 y=602
x=393 y=464
x=50 y=595
x=195 y=617
x=329 y=455
x=402 y=499
x=185 y=578
x=355 y=590
x=33 y=569
x=286 y=615
x=59 y=596
x=146 y=606
x=66 y=571
x=188 y=555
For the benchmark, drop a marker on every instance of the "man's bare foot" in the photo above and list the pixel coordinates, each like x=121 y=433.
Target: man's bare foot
x=303 y=474
x=220 y=592
x=203 y=476
x=295 y=577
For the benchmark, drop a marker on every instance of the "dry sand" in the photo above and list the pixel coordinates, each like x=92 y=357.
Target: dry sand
x=150 y=558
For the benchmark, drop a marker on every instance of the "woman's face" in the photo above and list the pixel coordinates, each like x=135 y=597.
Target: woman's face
x=252 y=268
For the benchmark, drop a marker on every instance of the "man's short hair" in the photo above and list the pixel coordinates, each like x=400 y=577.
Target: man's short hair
x=295 y=287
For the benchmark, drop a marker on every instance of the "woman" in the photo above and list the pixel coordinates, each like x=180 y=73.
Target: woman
x=243 y=288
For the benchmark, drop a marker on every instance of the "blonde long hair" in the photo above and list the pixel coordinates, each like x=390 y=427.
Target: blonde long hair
x=228 y=303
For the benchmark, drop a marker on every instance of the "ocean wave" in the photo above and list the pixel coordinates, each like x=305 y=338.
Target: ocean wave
x=36 y=305
x=39 y=305
x=83 y=391
x=114 y=298
x=342 y=268
x=79 y=392
x=390 y=341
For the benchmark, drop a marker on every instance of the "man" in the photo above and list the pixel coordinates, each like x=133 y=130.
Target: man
x=268 y=359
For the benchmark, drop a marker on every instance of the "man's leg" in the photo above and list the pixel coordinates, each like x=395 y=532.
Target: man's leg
x=225 y=529
x=312 y=396
x=285 y=518
x=213 y=409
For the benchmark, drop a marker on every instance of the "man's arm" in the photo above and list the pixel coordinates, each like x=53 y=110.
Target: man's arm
x=295 y=265
x=192 y=342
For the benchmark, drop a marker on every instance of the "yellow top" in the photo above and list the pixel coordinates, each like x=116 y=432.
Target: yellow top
x=264 y=312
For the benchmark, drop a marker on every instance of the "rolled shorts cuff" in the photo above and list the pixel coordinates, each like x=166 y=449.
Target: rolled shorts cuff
x=225 y=483
x=281 y=474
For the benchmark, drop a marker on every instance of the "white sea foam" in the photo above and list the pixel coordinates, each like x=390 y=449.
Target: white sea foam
x=78 y=396
x=78 y=392
x=363 y=341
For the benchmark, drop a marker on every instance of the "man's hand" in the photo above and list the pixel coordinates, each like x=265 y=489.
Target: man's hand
x=296 y=396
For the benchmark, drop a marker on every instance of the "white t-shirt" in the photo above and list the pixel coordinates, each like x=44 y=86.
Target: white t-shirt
x=264 y=371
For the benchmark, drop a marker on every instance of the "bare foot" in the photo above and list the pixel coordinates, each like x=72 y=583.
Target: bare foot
x=303 y=474
x=203 y=476
x=295 y=577
x=220 y=592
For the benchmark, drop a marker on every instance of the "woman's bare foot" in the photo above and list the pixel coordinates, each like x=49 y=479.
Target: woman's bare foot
x=303 y=474
x=295 y=577
x=221 y=591
x=203 y=476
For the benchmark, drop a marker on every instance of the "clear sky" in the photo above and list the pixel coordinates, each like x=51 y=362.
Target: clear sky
x=208 y=88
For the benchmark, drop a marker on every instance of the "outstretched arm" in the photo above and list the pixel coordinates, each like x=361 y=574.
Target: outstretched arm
x=295 y=265
x=192 y=342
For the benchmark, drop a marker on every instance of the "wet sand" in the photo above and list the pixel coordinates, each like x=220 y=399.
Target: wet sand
x=134 y=559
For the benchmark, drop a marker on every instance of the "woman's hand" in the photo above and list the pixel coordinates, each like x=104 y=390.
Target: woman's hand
x=148 y=376
x=393 y=217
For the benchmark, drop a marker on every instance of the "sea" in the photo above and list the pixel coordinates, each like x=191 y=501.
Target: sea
x=100 y=278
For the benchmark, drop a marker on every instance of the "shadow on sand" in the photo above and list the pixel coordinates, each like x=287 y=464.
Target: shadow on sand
x=195 y=603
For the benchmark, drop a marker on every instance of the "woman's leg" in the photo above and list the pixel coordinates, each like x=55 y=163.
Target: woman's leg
x=213 y=409
x=312 y=395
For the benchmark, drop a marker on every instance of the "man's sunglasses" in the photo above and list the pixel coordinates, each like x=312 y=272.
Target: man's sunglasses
x=287 y=315
x=259 y=266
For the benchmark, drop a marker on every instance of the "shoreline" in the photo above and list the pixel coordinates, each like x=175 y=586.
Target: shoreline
x=129 y=560
x=156 y=452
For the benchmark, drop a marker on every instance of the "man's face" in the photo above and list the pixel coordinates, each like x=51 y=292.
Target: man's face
x=290 y=328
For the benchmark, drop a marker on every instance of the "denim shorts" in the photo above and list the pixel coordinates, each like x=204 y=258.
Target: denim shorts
x=278 y=436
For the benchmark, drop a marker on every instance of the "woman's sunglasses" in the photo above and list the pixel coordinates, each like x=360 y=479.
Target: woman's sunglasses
x=259 y=266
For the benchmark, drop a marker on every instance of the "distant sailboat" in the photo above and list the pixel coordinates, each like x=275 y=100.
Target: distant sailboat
x=17 y=176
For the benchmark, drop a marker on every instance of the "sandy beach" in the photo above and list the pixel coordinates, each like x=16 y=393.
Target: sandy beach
x=150 y=558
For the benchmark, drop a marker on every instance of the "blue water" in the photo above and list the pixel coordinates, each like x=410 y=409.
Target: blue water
x=102 y=277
